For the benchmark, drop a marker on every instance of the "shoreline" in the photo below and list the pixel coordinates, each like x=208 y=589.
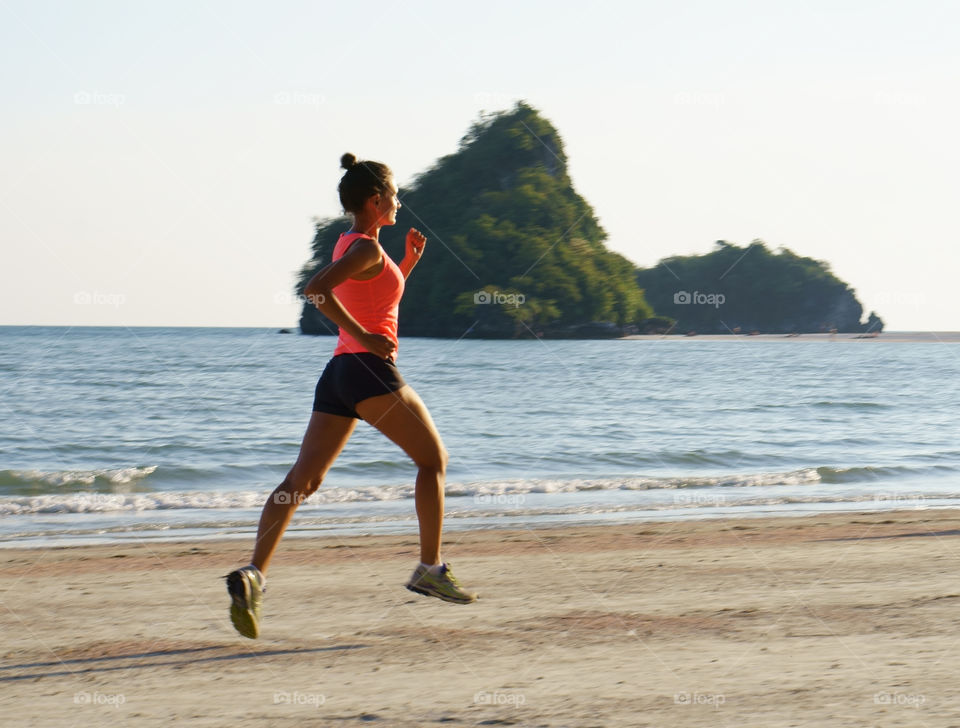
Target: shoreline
x=452 y=528
x=892 y=337
x=837 y=619
x=886 y=336
x=608 y=536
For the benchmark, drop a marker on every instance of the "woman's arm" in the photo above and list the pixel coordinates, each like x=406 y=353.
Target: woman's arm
x=362 y=255
x=414 y=250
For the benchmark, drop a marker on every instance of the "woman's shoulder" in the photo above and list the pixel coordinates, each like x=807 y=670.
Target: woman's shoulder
x=351 y=239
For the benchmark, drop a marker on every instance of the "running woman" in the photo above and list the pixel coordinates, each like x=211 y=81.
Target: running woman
x=359 y=291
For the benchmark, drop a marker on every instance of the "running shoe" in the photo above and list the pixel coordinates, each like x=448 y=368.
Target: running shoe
x=245 y=590
x=442 y=586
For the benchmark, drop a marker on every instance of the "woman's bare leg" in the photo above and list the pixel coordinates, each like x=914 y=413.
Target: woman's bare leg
x=403 y=417
x=323 y=441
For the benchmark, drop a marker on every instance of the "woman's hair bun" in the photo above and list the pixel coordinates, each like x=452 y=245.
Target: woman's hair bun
x=347 y=160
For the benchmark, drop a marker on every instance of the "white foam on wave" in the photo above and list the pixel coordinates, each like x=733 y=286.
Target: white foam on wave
x=114 y=476
x=241 y=500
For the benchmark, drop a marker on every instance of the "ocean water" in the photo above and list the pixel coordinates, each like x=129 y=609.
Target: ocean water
x=111 y=434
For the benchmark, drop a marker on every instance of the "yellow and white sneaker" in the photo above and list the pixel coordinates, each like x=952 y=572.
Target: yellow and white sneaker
x=246 y=592
x=442 y=585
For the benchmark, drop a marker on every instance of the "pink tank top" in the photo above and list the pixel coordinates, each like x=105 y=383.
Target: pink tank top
x=374 y=303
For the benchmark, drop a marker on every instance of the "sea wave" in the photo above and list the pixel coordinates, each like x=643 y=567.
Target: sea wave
x=107 y=477
x=105 y=502
x=165 y=478
x=873 y=472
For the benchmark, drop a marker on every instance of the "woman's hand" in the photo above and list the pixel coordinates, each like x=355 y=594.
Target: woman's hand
x=416 y=241
x=378 y=344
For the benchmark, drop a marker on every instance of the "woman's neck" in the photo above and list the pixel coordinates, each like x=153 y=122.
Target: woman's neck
x=367 y=227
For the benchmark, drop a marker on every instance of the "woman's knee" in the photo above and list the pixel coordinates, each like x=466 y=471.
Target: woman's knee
x=436 y=460
x=296 y=488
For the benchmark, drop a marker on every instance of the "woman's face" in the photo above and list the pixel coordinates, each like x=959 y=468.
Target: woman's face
x=387 y=204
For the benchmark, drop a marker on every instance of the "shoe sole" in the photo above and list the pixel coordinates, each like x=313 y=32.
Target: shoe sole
x=241 y=615
x=444 y=597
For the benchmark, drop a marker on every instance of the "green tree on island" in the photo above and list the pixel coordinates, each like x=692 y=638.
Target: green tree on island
x=505 y=225
x=751 y=288
x=514 y=251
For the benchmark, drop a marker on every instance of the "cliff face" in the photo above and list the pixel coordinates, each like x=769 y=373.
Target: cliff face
x=512 y=249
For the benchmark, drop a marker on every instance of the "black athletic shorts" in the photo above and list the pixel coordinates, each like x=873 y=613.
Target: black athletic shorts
x=351 y=378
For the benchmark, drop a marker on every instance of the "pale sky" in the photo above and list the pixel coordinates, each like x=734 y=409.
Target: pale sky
x=162 y=162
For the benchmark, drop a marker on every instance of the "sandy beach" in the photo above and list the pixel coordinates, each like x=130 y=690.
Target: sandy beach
x=841 y=620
